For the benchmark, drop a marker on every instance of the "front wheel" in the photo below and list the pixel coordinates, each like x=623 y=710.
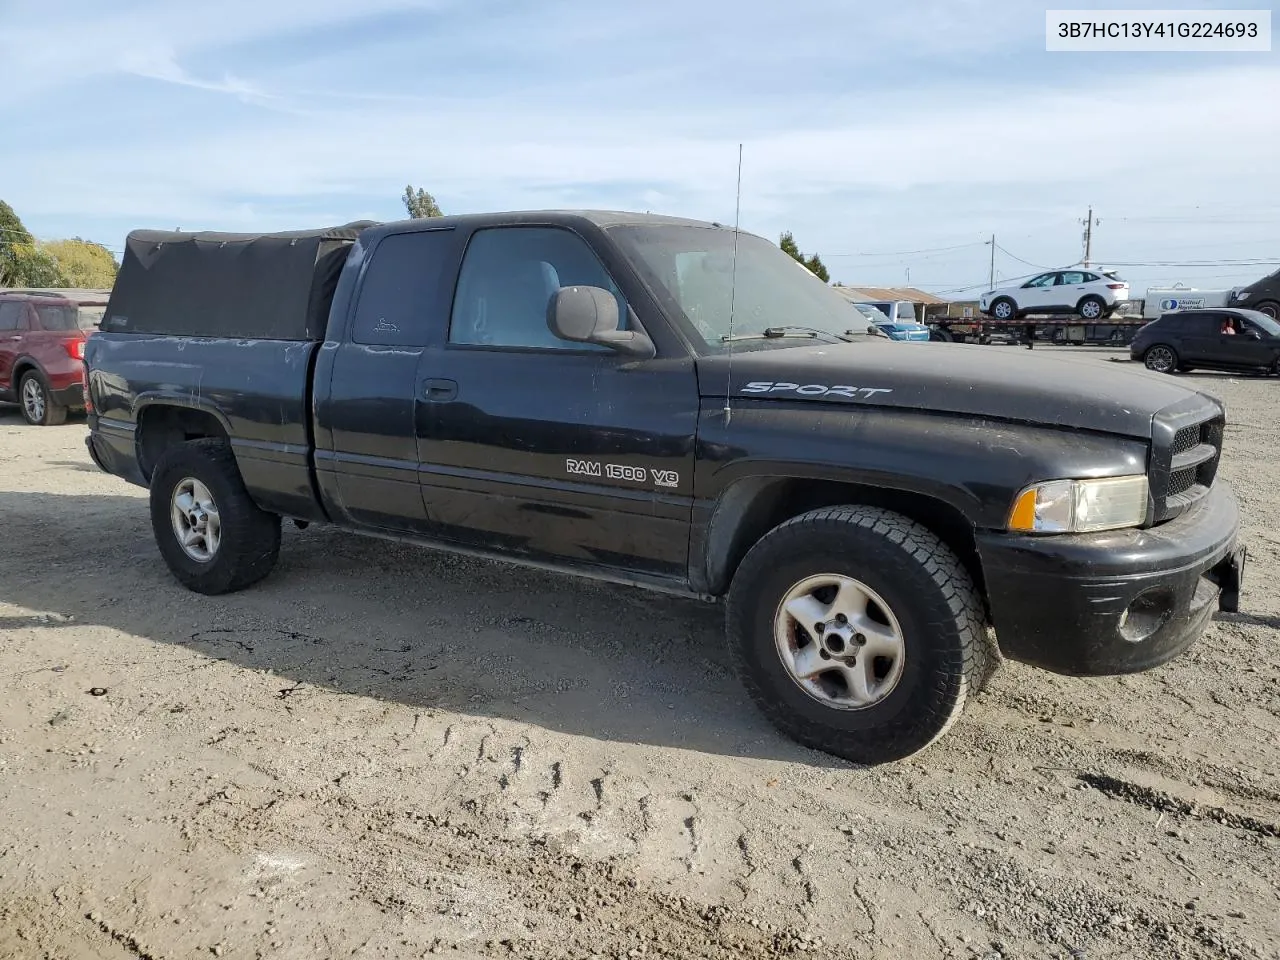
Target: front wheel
x=1161 y=358
x=38 y=407
x=1004 y=309
x=857 y=632
x=211 y=534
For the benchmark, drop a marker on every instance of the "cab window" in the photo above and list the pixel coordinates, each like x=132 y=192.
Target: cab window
x=507 y=280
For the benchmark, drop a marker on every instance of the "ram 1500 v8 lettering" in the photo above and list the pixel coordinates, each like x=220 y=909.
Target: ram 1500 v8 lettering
x=671 y=404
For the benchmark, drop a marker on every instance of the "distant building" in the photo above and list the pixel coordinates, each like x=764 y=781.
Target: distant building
x=926 y=304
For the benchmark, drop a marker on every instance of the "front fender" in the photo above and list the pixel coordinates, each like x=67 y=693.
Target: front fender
x=973 y=467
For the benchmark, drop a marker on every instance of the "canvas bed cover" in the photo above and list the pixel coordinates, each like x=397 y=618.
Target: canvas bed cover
x=262 y=286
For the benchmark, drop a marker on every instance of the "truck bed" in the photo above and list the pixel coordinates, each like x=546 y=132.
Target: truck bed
x=257 y=390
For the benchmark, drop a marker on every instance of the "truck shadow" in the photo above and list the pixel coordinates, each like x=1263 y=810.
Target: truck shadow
x=402 y=623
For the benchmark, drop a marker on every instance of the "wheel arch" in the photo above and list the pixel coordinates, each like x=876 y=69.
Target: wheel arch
x=21 y=367
x=752 y=506
x=164 y=423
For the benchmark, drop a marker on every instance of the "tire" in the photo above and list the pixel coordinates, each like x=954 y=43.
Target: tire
x=38 y=408
x=925 y=599
x=246 y=542
x=1092 y=307
x=942 y=336
x=1161 y=358
x=1270 y=307
x=1004 y=309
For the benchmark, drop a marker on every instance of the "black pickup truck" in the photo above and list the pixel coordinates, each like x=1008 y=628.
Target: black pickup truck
x=676 y=405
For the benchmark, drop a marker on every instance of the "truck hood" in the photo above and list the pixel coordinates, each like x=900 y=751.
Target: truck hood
x=982 y=381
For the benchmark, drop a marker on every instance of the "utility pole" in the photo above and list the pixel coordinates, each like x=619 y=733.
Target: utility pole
x=991 y=279
x=1089 y=224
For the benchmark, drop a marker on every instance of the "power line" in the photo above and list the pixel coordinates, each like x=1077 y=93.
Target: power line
x=1195 y=263
x=908 y=253
x=1014 y=256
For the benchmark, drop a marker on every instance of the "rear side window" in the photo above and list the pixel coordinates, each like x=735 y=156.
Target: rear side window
x=11 y=314
x=1194 y=324
x=58 y=316
x=400 y=295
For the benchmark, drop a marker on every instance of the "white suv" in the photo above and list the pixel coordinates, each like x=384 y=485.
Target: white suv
x=1093 y=294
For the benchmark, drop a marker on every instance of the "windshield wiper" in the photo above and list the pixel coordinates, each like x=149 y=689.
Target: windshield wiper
x=778 y=333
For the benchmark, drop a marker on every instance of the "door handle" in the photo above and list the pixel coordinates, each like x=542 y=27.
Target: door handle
x=439 y=391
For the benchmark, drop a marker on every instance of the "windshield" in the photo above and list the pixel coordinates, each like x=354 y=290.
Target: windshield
x=879 y=312
x=57 y=317
x=694 y=267
x=1263 y=322
x=873 y=313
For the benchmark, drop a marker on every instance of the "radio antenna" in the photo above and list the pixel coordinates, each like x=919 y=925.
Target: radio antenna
x=733 y=287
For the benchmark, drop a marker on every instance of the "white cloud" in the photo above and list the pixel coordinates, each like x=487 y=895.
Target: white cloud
x=48 y=45
x=560 y=105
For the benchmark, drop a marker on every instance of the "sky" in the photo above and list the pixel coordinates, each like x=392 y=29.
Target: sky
x=893 y=139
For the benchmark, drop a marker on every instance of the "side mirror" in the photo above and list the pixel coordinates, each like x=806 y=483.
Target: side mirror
x=1253 y=334
x=590 y=315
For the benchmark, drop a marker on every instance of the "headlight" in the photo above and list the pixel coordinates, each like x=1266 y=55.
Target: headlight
x=1243 y=294
x=1078 y=506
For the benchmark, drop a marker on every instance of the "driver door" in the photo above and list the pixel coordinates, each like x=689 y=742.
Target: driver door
x=1037 y=292
x=548 y=448
x=1249 y=346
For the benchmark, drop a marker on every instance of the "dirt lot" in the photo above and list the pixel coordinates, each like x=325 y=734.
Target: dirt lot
x=386 y=752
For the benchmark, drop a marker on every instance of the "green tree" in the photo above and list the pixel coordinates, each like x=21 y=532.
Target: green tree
x=814 y=263
x=22 y=263
x=83 y=263
x=420 y=204
x=11 y=228
x=26 y=265
x=818 y=268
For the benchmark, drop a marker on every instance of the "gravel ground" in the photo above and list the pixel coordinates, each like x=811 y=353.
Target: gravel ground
x=386 y=752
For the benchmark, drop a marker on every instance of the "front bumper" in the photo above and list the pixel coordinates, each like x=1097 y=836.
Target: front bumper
x=1115 y=602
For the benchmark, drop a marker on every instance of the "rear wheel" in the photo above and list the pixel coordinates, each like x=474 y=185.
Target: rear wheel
x=1091 y=307
x=857 y=632
x=211 y=534
x=38 y=407
x=1161 y=358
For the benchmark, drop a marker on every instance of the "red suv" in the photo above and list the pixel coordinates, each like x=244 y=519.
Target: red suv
x=41 y=356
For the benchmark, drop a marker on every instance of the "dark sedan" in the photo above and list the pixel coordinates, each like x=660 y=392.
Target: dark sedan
x=1221 y=339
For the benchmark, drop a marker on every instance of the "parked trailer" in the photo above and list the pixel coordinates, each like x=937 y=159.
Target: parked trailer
x=1118 y=329
x=1162 y=300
